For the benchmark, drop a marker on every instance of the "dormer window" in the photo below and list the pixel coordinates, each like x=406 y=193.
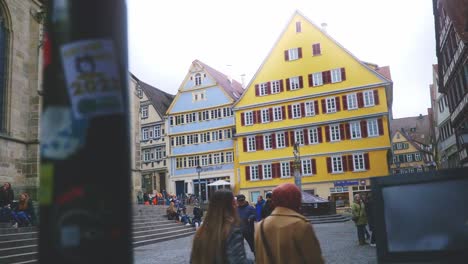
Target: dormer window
x=198 y=79
x=298 y=26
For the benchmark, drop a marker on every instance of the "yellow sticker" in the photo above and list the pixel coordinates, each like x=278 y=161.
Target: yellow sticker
x=46 y=184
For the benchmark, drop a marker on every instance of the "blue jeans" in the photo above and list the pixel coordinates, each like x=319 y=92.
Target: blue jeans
x=21 y=218
x=360 y=233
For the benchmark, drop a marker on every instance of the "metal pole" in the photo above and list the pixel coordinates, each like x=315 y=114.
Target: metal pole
x=199 y=186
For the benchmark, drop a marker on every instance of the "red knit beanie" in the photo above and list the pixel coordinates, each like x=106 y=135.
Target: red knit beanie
x=287 y=195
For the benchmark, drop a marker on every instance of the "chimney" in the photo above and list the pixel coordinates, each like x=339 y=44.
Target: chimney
x=324 y=26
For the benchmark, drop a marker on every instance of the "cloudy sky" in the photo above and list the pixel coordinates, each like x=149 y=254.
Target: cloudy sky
x=235 y=37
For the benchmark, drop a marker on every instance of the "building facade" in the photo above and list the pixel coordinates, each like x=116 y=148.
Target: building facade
x=20 y=89
x=201 y=127
x=313 y=93
x=451 y=29
x=152 y=137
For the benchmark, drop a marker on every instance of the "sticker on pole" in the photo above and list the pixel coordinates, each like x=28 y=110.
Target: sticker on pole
x=92 y=78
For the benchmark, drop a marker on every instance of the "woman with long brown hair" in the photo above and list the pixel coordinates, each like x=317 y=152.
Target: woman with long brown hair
x=219 y=239
x=23 y=214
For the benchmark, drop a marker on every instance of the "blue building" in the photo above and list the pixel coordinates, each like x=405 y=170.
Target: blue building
x=200 y=129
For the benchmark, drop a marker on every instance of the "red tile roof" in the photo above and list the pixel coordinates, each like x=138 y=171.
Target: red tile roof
x=385 y=71
x=232 y=87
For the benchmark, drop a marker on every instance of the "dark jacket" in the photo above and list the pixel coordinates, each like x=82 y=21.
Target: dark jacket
x=259 y=208
x=267 y=208
x=6 y=196
x=370 y=215
x=235 y=252
x=247 y=216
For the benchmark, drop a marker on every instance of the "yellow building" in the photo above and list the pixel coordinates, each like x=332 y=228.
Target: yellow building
x=311 y=90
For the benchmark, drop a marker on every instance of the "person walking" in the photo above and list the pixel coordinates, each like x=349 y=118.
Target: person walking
x=259 y=207
x=247 y=216
x=370 y=218
x=268 y=206
x=286 y=236
x=360 y=218
x=219 y=239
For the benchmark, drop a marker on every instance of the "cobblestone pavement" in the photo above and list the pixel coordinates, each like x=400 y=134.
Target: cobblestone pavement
x=338 y=242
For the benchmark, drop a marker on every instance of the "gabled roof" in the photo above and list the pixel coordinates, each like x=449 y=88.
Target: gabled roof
x=408 y=138
x=159 y=99
x=420 y=124
x=232 y=87
x=385 y=72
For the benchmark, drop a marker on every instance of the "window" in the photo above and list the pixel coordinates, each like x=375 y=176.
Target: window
x=409 y=157
x=280 y=140
x=306 y=167
x=352 y=101
x=277 y=113
x=251 y=144
x=298 y=26
x=309 y=108
x=294 y=83
x=266 y=171
x=335 y=133
x=313 y=136
x=159 y=153
x=331 y=105
x=254 y=172
x=372 y=128
x=214 y=135
x=145 y=133
x=355 y=128
x=263 y=89
x=248 y=118
x=293 y=54
x=358 y=162
x=204 y=160
x=157 y=131
x=229 y=157
x=216 y=158
x=265 y=115
x=296 y=110
x=267 y=142
x=144 y=112
x=368 y=98
x=336 y=75
x=417 y=157
x=198 y=79
x=337 y=165
x=285 y=170
x=299 y=136
x=317 y=79
x=316 y=49
x=275 y=87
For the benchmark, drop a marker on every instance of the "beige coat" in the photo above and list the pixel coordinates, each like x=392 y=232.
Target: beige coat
x=290 y=237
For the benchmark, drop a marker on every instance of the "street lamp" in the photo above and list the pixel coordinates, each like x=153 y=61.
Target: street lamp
x=199 y=169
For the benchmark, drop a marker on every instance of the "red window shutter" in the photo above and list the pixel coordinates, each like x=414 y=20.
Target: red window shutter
x=289 y=111
x=257 y=90
x=259 y=142
x=299 y=51
x=348 y=131
x=273 y=170
x=254 y=117
x=324 y=77
x=244 y=142
x=345 y=102
x=345 y=163
x=286 y=138
x=306 y=136
x=367 y=161
x=360 y=100
x=364 y=128
x=314 y=167
x=286 y=55
x=302 y=109
x=298 y=26
x=278 y=170
x=350 y=162
x=291 y=168
x=329 y=165
x=319 y=133
x=288 y=85
x=324 y=106
x=380 y=124
x=247 y=173
x=319 y=50
x=301 y=82
x=327 y=133
x=337 y=102
x=283 y=112
x=343 y=74
x=311 y=83
x=259 y=115
x=273 y=141
x=260 y=172
x=243 y=119
x=291 y=135
x=316 y=106
x=342 y=132
x=268 y=87
x=376 y=97
x=270 y=114
x=281 y=85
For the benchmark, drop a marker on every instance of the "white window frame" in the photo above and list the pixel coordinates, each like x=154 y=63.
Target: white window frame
x=157 y=131
x=144 y=111
x=198 y=79
x=317 y=79
x=216 y=158
x=309 y=108
x=352 y=101
x=214 y=136
x=294 y=83
x=229 y=157
x=285 y=170
x=355 y=128
x=409 y=157
x=359 y=164
x=296 y=110
x=293 y=54
x=146 y=155
x=417 y=157
x=267 y=141
x=248 y=118
x=265 y=115
x=368 y=98
x=145 y=133
x=277 y=113
x=336 y=75
x=306 y=166
x=254 y=172
x=335 y=133
x=280 y=140
x=372 y=128
x=337 y=164
x=204 y=160
x=251 y=146
x=330 y=103
x=313 y=135
x=299 y=136
x=262 y=89
x=267 y=171
x=275 y=87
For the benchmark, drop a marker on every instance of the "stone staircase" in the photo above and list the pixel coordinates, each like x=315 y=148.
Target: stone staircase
x=325 y=219
x=20 y=245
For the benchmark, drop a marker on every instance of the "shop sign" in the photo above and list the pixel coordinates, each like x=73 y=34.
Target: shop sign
x=345 y=183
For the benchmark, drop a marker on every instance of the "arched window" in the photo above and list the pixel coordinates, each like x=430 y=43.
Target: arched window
x=198 y=79
x=3 y=72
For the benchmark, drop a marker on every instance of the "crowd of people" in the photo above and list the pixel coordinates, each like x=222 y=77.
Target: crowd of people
x=19 y=213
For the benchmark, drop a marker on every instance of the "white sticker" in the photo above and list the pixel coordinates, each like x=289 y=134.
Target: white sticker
x=92 y=78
